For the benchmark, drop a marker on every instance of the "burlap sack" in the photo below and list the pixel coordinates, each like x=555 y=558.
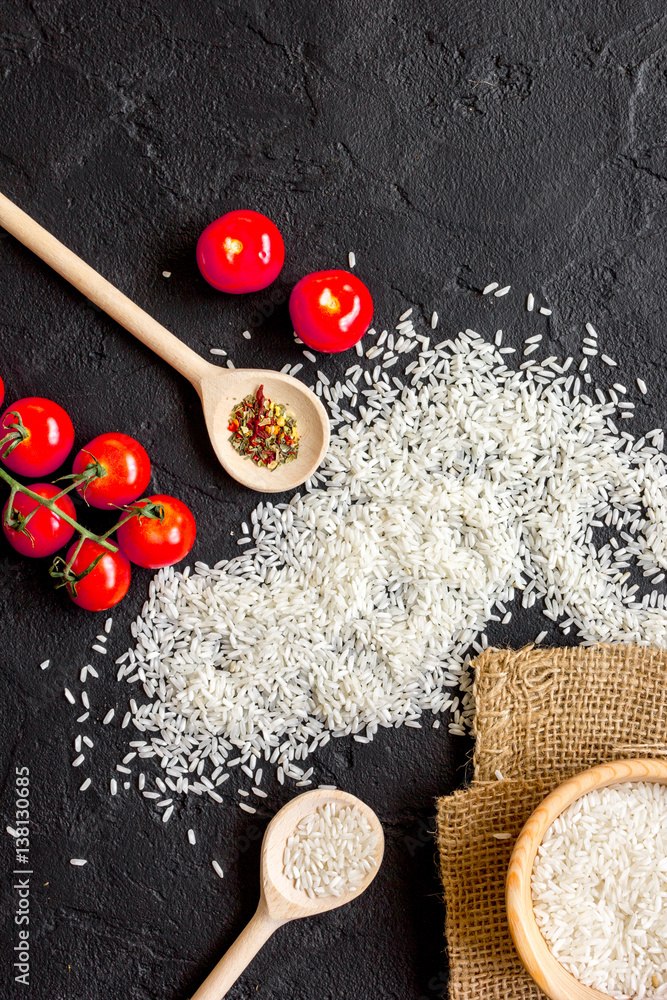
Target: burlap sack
x=542 y=715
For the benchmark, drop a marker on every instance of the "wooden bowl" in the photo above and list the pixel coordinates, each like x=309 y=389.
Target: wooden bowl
x=548 y=973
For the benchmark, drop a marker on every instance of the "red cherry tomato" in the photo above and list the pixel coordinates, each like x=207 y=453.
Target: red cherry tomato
x=241 y=251
x=152 y=543
x=2 y=391
x=124 y=470
x=47 y=531
x=105 y=585
x=330 y=310
x=38 y=436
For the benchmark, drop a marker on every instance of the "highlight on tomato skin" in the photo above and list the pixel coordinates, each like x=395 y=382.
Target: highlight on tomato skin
x=38 y=436
x=154 y=543
x=240 y=252
x=125 y=467
x=330 y=310
x=106 y=584
x=46 y=532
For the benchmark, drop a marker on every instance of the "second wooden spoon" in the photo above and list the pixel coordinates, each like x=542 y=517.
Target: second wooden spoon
x=279 y=900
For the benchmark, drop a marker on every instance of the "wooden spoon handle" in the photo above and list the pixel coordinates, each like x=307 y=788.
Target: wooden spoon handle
x=236 y=958
x=102 y=292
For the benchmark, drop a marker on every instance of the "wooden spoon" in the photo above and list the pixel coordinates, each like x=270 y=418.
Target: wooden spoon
x=279 y=901
x=219 y=389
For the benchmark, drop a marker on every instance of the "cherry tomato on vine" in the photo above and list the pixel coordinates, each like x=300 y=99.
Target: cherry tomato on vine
x=153 y=543
x=36 y=436
x=106 y=584
x=330 y=310
x=46 y=531
x=123 y=470
x=241 y=251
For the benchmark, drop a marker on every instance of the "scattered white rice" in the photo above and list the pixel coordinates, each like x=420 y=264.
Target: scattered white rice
x=85 y=785
x=78 y=862
x=108 y=717
x=530 y=302
x=45 y=664
x=219 y=351
x=641 y=385
x=217 y=869
x=434 y=320
x=246 y=334
x=502 y=291
x=599 y=888
x=331 y=851
x=445 y=494
x=191 y=837
x=490 y=287
x=351 y=258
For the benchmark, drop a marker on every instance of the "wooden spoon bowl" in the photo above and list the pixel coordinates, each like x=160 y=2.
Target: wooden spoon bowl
x=220 y=390
x=279 y=900
x=283 y=901
x=551 y=977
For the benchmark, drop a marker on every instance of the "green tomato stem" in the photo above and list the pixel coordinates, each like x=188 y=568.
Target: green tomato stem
x=68 y=489
x=17 y=487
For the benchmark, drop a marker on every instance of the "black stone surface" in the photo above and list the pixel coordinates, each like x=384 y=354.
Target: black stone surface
x=447 y=145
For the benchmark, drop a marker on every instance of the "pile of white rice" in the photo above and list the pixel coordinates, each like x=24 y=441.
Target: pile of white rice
x=599 y=889
x=331 y=851
x=356 y=605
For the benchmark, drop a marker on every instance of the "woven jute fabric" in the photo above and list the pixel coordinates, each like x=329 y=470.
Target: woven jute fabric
x=542 y=715
x=553 y=712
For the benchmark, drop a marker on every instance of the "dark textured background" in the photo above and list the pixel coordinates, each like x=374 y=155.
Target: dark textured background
x=447 y=144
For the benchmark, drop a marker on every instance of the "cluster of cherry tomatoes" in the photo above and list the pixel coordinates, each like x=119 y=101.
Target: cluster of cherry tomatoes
x=110 y=473
x=243 y=251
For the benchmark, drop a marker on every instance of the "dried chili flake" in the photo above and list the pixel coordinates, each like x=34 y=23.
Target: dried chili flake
x=263 y=431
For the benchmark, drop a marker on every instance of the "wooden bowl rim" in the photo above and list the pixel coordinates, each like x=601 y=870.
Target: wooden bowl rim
x=551 y=977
